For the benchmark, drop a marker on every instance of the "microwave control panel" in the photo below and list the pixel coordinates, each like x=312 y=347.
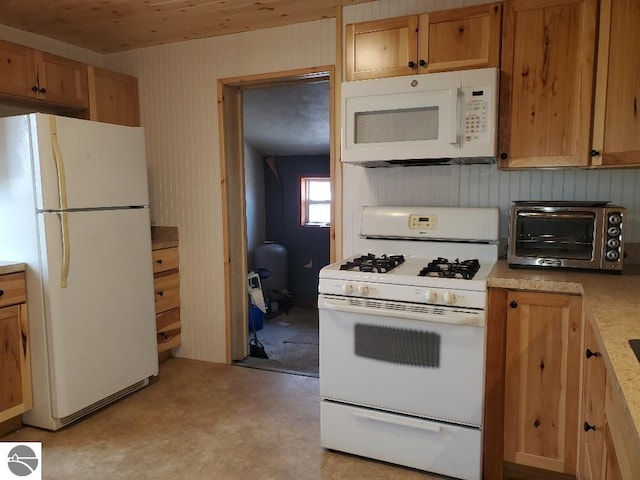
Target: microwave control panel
x=476 y=114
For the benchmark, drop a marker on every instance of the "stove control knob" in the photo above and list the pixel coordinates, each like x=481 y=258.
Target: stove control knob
x=450 y=298
x=431 y=296
x=347 y=289
x=363 y=290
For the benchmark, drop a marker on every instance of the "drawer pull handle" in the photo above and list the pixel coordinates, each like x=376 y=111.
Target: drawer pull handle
x=590 y=354
x=1 y=293
x=161 y=293
x=419 y=424
x=159 y=261
x=588 y=427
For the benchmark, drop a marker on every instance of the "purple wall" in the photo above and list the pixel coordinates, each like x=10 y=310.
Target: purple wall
x=303 y=244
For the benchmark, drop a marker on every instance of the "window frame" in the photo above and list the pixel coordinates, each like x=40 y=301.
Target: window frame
x=305 y=202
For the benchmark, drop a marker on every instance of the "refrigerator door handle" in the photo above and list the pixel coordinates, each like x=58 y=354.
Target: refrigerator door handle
x=66 y=248
x=57 y=157
x=62 y=193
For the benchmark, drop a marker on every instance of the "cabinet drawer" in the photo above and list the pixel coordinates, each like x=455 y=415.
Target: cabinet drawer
x=12 y=289
x=167 y=291
x=411 y=441
x=165 y=259
x=168 y=328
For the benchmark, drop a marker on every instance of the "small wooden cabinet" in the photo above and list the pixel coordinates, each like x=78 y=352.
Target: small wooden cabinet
x=616 y=121
x=15 y=363
x=113 y=97
x=36 y=75
x=593 y=396
x=542 y=379
x=167 y=298
x=546 y=84
x=432 y=42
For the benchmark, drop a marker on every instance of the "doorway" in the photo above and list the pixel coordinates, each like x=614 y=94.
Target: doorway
x=230 y=94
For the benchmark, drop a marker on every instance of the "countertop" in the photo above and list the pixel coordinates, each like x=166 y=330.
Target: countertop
x=164 y=237
x=612 y=303
x=11 y=267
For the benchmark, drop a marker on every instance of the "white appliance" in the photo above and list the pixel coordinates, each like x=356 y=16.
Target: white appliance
x=421 y=119
x=74 y=207
x=402 y=339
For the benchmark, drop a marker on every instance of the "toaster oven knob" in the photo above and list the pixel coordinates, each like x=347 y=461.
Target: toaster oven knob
x=347 y=289
x=613 y=231
x=431 y=296
x=615 y=218
x=612 y=255
x=613 y=243
x=450 y=298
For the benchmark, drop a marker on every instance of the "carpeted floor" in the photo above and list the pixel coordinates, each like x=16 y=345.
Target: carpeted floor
x=291 y=342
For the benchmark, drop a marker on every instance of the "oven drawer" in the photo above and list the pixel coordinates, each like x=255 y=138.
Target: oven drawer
x=413 y=442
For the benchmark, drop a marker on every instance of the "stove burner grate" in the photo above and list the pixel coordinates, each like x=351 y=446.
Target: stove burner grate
x=371 y=263
x=443 y=268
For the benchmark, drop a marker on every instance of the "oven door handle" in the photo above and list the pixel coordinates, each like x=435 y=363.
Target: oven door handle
x=404 y=422
x=447 y=315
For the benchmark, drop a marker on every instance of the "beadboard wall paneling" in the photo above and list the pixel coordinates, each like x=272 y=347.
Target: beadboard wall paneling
x=365 y=12
x=484 y=186
x=49 y=45
x=178 y=104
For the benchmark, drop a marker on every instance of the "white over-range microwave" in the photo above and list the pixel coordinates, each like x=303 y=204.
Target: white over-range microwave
x=447 y=117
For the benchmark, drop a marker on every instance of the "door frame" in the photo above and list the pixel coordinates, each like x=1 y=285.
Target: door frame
x=234 y=232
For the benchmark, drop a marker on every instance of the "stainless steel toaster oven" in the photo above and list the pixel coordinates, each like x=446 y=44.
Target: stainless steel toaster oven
x=588 y=235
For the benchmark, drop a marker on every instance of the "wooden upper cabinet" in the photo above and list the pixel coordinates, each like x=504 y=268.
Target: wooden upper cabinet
x=61 y=81
x=113 y=97
x=17 y=69
x=542 y=379
x=31 y=74
x=460 y=39
x=616 y=122
x=448 y=40
x=546 y=84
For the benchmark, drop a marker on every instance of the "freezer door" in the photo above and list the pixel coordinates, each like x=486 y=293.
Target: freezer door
x=101 y=328
x=97 y=164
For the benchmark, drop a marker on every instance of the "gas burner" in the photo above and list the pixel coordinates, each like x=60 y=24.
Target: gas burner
x=371 y=263
x=441 y=267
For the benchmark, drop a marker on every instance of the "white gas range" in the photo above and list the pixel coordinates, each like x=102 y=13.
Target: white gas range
x=402 y=342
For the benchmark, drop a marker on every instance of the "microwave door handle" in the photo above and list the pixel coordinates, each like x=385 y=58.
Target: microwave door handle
x=452 y=130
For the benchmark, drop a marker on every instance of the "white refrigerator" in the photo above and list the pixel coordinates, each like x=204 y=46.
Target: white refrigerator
x=74 y=206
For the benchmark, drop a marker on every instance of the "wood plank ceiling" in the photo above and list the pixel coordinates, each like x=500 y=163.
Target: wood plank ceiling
x=108 y=26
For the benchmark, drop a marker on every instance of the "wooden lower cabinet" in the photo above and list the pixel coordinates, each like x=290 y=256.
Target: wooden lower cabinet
x=15 y=356
x=167 y=298
x=542 y=379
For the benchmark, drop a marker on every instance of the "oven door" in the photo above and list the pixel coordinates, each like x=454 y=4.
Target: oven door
x=408 y=358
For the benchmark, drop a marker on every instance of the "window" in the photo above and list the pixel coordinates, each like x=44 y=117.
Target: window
x=315 y=195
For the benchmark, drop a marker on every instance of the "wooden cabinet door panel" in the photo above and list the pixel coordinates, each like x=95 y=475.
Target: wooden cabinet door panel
x=64 y=81
x=15 y=363
x=460 y=38
x=593 y=396
x=113 y=97
x=616 y=120
x=17 y=70
x=543 y=336
x=381 y=48
x=547 y=81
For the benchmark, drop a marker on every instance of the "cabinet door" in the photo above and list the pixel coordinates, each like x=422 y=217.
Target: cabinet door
x=381 y=48
x=15 y=364
x=459 y=39
x=611 y=468
x=616 y=121
x=17 y=70
x=593 y=395
x=62 y=81
x=542 y=369
x=546 y=83
x=113 y=97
